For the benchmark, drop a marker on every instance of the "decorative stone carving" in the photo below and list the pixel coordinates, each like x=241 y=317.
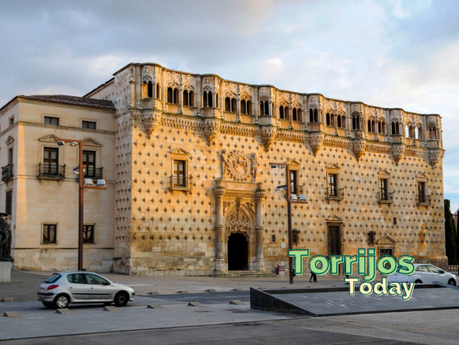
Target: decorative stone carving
x=211 y=130
x=268 y=136
x=5 y=239
x=315 y=141
x=358 y=147
x=239 y=166
x=239 y=220
x=435 y=155
x=152 y=121
x=398 y=151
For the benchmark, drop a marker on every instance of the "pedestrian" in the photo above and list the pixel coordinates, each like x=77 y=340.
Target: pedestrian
x=313 y=277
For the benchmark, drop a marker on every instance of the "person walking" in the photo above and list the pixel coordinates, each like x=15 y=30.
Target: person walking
x=313 y=277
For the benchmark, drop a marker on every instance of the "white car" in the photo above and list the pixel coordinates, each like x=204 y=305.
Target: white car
x=424 y=274
x=82 y=287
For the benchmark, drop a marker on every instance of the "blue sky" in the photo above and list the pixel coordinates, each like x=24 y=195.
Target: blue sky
x=400 y=53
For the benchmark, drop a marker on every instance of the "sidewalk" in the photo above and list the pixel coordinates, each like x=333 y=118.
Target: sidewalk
x=24 y=284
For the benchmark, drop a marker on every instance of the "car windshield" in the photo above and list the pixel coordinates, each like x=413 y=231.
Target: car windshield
x=54 y=278
x=402 y=270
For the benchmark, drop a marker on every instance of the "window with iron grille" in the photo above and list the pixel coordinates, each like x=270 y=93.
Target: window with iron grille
x=51 y=121
x=9 y=202
x=89 y=163
x=334 y=240
x=88 y=233
x=49 y=233
x=422 y=192
x=332 y=185
x=89 y=124
x=293 y=181
x=179 y=179
x=50 y=160
x=383 y=189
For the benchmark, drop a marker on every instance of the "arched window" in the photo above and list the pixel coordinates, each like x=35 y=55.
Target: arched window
x=395 y=128
x=172 y=95
x=432 y=131
x=355 y=121
x=328 y=119
x=246 y=107
x=264 y=108
x=207 y=99
x=296 y=114
x=282 y=111
x=313 y=115
x=381 y=127
x=149 y=89
x=230 y=104
x=371 y=126
x=188 y=98
x=158 y=88
x=419 y=132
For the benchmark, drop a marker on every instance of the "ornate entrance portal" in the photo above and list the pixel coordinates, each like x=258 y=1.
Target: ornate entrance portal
x=238 y=253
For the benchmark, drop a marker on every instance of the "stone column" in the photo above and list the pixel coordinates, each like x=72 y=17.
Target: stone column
x=220 y=265
x=180 y=96
x=260 y=195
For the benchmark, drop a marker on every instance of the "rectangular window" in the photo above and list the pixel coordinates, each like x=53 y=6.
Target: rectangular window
x=88 y=234
x=10 y=156
x=50 y=160
x=51 y=121
x=9 y=202
x=383 y=189
x=293 y=182
x=332 y=185
x=89 y=124
x=334 y=240
x=49 y=233
x=179 y=179
x=11 y=121
x=422 y=192
x=89 y=163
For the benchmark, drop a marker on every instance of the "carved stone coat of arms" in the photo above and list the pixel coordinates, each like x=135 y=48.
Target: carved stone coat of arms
x=239 y=166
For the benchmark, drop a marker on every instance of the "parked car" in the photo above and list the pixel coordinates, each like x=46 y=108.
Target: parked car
x=63 y=288
x=424 y=274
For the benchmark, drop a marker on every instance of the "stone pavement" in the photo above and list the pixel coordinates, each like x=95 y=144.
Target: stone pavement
x=218 y=319
x=24 y=284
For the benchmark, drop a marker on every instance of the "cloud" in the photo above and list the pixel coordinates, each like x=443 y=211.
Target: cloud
x=391 y=54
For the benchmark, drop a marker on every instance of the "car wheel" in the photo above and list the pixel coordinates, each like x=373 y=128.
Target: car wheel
x=48 y=305
x=121 y=299
x=451 y=282
x=62 y=301
x=418 y=281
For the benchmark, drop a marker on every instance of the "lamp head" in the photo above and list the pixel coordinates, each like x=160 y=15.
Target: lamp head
x=60 y=143
x=73 y=144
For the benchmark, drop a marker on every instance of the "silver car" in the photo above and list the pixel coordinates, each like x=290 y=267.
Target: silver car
x=424 y=274
x=82 y=287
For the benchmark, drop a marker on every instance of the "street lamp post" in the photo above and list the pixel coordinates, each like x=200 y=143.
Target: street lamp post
x=289 y=213
x=81 y=189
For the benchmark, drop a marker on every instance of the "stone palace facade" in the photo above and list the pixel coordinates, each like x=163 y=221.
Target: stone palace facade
x=191 y=190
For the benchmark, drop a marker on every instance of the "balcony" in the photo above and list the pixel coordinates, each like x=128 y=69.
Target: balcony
x=93 y=173
x=51 y=171
x=334 y=193
x=7 y=172
x=180 y=184
x=384 y=197
x=423 y=200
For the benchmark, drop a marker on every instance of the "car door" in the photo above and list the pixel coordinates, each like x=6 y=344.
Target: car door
x=437 y=274
x=422 y=273
x=99 y=289
x=77 y=287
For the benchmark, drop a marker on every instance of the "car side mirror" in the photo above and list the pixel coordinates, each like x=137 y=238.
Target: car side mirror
x=106 y=283
x=441 y=272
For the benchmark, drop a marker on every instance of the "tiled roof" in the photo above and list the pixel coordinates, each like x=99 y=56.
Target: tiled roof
x=73 y=100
